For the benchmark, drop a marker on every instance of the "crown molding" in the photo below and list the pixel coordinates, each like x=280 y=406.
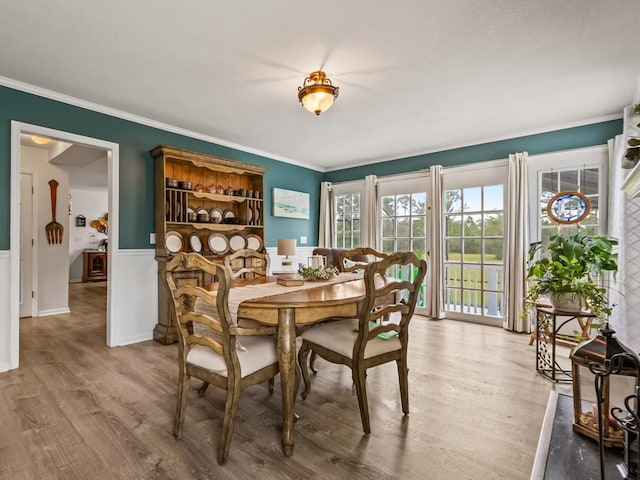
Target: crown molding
x=510 y=136
x=95 y=107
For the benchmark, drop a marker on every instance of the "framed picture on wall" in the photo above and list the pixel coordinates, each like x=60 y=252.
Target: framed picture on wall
x=290 y=204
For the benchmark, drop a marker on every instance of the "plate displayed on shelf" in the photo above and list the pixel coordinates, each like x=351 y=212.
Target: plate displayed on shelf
x=249 y=215
x=173 y=242
x=228 y=213
x=200 y=210
x=237 y=242
x=190 y=210
x=195 y=243
x=258 y=213
x=218 y=243
x=254 y=242
x=215 y=215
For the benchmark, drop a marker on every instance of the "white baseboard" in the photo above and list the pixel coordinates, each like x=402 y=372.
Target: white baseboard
x=53 y=311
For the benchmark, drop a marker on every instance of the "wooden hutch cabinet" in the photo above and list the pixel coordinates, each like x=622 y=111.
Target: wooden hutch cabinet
x=204 y=204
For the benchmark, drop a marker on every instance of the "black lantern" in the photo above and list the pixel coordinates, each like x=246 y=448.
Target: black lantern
x=599 y=362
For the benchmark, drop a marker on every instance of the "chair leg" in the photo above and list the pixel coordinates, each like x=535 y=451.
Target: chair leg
x=403 y=377
x=230 y=410
x=181 y=407
x=270 y=383
x=360 y=379
x=303 y=353
x=202 y=389
x=312 y=362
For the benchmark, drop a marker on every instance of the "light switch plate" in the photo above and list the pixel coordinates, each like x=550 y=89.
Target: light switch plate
x=152 y=238
x=303 y=240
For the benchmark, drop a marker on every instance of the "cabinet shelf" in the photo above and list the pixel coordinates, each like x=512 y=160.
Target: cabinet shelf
x=218 y=227
x=214 y=196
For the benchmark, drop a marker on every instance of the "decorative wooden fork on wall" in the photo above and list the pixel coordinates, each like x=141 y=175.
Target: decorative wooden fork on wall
x=54 y=229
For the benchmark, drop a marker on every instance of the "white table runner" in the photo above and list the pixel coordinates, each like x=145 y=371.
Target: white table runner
x=238 y=295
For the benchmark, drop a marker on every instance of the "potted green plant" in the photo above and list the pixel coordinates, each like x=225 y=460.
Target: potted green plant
x=569 y=270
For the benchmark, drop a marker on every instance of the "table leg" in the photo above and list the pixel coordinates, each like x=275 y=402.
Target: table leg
x=287 y=351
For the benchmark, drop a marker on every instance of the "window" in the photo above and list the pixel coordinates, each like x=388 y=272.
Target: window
x=583 y=170
x=347 y=220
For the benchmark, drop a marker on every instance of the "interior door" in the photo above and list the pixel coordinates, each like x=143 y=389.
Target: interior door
x=26 y=245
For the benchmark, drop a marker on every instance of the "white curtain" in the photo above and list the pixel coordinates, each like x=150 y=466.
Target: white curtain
x=370 y=234
x=517 y=238
x=616 y=229
x=325 y=227
x=435 y=260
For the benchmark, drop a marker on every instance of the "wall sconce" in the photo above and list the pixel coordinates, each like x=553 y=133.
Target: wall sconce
x=317 y=92
x=286 y=247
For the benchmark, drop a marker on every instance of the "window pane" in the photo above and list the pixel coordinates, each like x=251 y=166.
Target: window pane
x=388 y=229
x=388 y=246
x=493 y=304
x=568 y=180
x=403 y=227
x=472 y=225
x=472 y=199
x=340 y=225
x=471 y=249
x=418 y=247
x=356 y=239
x=453 y=201
x=453 y=249
x=472 y=276
x=493 y=277
x=589 y=181
x=549 y=182
x=418 y=227
x=452 y=275
x=453 y=225
x=403 y=244
x=403 y=203
x=340 y=240
x=419 y=204
x=356 y=203
x=356 y=225
x=493 y=198
x=494 y=225
x=388 y=206
x=493 y=251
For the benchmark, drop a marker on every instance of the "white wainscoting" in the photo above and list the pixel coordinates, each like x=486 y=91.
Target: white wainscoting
x=5 y=311
x=133 y=297
x=302 y=253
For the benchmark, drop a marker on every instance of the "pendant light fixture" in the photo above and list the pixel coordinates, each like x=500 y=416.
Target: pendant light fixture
x=317 y=92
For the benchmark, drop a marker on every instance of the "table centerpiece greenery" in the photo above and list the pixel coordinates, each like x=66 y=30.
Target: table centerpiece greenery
x=318 y=273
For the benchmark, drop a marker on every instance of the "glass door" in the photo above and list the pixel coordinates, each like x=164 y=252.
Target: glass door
x=473 y=241
x=404 y=221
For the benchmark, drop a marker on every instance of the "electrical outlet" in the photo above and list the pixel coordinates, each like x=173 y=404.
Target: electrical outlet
x=303 y=240
x=152 y=238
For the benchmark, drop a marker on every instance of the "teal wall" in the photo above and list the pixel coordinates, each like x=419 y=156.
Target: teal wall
x=568 y=138
x=136 y=166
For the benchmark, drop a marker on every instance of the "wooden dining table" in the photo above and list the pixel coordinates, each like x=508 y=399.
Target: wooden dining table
x=293 y=309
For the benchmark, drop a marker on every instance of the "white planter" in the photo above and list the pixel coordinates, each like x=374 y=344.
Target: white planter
x=568 y=302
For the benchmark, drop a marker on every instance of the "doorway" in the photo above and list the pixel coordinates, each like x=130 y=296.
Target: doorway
x=112 y=149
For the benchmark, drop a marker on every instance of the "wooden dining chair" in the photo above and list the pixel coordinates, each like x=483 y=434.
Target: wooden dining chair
x=356 y=258
x=369 y=340
x=208 y=346
x=351 y=261
x=248 y=263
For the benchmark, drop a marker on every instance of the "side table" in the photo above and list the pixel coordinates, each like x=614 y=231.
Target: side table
x=547 y=335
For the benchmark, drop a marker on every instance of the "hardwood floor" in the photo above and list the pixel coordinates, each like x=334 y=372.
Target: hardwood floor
x=76 y=409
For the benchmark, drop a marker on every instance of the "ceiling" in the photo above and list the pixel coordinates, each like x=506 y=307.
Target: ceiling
x=415 y=76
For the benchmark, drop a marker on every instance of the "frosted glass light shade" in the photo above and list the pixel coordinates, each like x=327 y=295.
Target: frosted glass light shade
x=317 y=93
